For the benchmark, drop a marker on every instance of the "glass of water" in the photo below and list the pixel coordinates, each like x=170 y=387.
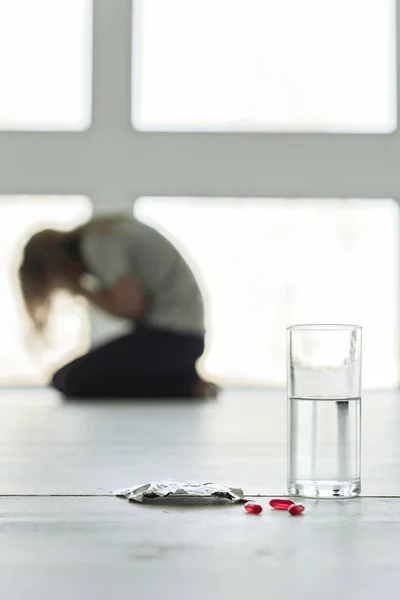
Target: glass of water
x=324 y=410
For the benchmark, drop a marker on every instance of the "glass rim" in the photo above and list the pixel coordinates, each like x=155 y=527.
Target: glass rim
x=323 y=327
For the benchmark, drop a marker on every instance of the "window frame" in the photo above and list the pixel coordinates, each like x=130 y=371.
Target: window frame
x=114 y=164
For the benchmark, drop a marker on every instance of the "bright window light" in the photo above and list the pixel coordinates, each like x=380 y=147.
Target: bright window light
x=45 y=64
x=265 y=264
x=21 y=361
x=273 y=65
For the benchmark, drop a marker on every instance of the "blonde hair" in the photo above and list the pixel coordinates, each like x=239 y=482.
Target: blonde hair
x=43 y=257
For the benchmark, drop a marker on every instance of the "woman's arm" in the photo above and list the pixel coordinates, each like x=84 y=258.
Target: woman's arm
x=125 y=300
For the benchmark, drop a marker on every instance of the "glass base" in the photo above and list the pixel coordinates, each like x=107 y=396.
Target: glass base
x=325 y=489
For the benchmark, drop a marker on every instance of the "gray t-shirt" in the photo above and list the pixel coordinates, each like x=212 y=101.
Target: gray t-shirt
x=173 y=295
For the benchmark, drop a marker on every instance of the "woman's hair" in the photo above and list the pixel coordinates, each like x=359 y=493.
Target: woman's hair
x=43 y=258
x=35 y=277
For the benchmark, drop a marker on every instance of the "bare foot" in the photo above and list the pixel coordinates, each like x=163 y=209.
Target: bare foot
x=206 y=389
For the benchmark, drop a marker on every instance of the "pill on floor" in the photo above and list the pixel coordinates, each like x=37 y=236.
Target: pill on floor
x=253 y=508
x=281 y=504
x=296 y=510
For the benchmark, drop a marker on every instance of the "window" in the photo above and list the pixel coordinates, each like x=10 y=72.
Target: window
x=287 y=65
x=21 y=362
x=268 y=263
x=45 y=64
x=325 y=67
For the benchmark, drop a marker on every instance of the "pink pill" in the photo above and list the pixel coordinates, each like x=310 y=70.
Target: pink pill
x=296 y=510
x=252 y=508
x=279 y=504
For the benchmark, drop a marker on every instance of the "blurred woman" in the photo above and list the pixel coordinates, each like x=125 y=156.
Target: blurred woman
x=143 y=278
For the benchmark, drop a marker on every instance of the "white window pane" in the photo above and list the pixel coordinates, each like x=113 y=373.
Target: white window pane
x=45 y=64
x=21 y=363
x=269 y=263
x=276 y=65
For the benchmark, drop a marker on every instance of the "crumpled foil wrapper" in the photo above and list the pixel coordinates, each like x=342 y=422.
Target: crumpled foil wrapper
x=175 y=491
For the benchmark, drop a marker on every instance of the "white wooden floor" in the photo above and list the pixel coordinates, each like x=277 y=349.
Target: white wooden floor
x=62 y=535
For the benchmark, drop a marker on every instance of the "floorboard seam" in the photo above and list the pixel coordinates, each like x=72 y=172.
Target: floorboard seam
x=247 y=495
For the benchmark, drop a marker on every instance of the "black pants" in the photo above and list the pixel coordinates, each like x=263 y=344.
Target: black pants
x=146 y=363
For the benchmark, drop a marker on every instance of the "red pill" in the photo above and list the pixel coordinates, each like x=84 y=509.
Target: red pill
x=296 y=510
x=279 y=504
x=252 y=508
